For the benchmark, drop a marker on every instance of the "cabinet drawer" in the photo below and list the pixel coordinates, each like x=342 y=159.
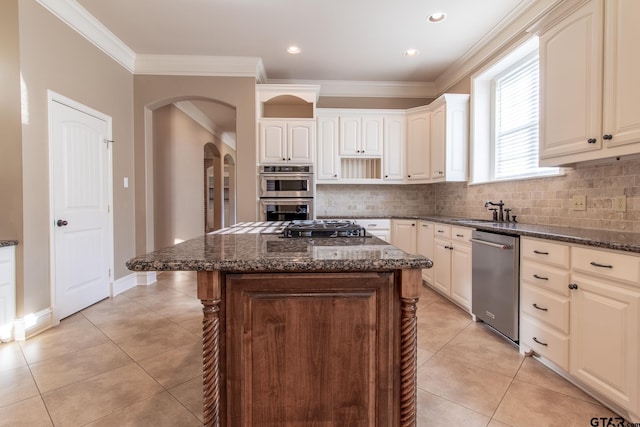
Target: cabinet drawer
x=613 y=265
x=545 y=276
x=461 y=234
x=548 y=307
x=442 y=231
x=375 y=224
x=545 y=341
x=545 y=251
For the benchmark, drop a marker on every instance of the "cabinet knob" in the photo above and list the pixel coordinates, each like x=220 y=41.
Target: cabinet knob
x=283 y=159
x=592 y=140
x=573 y=286
x=335 y=176
x=408 y=176
x=607 y=137
x=289 y=158
x=386 y=176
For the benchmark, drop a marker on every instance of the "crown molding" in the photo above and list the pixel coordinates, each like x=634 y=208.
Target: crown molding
x=352 y=88
x=200 y=65
x=508 y=30
x=77 y=17
x=203 y=120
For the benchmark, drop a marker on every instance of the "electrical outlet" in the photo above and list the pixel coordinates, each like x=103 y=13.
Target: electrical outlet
x=620 y=203
x=579 y=203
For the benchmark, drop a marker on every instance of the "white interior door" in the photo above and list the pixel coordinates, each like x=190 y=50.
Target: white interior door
x=82 y=237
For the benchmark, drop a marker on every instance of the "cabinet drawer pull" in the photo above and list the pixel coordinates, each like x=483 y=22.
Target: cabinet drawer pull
x=459 y=235
x=425 y=225
x=373 y=225
x=440 y=231
x=540 y=277
x=540 y=308
x=535 y=251
x=540 y=342
x=595 y=264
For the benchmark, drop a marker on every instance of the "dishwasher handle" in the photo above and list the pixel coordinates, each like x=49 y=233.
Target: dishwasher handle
x=493 y=245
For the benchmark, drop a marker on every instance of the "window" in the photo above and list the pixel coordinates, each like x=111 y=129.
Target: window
x=505 y=118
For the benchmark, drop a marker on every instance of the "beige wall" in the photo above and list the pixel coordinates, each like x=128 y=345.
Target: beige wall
x=55 y=57
x=178 y=176
x=152 y=92
x=10 y=126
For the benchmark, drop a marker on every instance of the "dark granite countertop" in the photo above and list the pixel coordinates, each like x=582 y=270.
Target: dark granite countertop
x=272 y=253
x=618 y=240
x=4 y=243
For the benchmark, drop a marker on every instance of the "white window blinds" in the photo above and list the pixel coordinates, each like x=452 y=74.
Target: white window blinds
x=516 y=121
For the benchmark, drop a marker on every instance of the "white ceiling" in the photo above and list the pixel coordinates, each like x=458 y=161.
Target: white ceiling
x=345 y=42
x=353 y=40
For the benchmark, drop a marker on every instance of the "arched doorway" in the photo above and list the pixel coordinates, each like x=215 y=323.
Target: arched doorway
x=183 y=134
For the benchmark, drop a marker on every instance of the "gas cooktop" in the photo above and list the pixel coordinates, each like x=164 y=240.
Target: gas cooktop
x=324 y=228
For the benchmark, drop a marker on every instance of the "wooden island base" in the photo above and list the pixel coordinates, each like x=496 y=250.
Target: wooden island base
x=310 y=349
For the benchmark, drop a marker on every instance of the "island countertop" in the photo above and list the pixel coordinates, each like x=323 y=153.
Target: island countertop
x=234 y=252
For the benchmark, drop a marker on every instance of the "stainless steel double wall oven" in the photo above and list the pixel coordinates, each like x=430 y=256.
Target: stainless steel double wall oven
x=286 y=192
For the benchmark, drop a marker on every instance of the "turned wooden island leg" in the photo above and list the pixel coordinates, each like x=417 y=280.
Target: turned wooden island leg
x=410 y=286
x=209 y=294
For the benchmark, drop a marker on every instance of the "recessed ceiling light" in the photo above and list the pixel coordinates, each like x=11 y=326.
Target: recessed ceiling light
x=411 y=52
x=437 y=17
x=294 y=50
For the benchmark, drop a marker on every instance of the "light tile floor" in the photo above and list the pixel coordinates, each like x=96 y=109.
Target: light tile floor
x=135 y=360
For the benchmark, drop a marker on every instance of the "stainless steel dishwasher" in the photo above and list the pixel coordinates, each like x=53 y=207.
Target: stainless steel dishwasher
x=495 y=278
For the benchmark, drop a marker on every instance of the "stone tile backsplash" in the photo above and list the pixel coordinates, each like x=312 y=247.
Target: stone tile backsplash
x=534 y=201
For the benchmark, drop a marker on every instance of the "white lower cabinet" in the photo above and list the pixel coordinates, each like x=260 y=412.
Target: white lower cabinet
x=544 y=299
x=403 y=234
x=7 y=292
x=452 y=263
x=380 y=228
x=605 y=325
x=424 y=246
x=580 y=309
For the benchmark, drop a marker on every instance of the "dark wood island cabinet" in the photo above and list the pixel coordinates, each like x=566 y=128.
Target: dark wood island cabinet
x=303 y=332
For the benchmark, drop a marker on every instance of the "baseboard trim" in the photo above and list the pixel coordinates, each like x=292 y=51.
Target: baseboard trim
x=146 y=278
x=33 y=324
x=124 y=284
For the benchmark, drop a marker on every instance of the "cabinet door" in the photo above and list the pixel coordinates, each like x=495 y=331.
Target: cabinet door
x=621 y=71
x=350 y=134
x=424 y=246
x=372 y=134
x=418 y=146
x=7 y=289
x=403 y=235
x=273 y=136
x=394 y=143
x=461 y=274
x=604 y=339
x=301 y=344
x=438 y=142
x=442 y=266
x=301 y=139
x=571 y=55
x=327 y=163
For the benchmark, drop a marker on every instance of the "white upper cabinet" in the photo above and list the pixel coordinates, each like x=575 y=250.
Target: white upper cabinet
x=287 y=141
x=418 y=145
x=361 y=135
x=327 y=167
x=621 y=71
x=588 y=86
x=394 y=144
x=449 y=138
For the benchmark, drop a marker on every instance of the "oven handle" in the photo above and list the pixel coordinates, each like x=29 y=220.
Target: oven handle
x=493 y=245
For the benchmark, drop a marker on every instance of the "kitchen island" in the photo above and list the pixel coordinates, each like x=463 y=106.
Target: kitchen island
x=303 y=331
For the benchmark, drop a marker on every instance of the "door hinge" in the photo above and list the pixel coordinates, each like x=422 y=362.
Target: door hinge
x=108 y=208
x=108 y=141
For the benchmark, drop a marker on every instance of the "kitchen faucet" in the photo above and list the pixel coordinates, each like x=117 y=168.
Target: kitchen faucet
x=500 y=205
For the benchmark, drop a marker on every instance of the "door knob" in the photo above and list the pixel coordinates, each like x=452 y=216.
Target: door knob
x=61 y=223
